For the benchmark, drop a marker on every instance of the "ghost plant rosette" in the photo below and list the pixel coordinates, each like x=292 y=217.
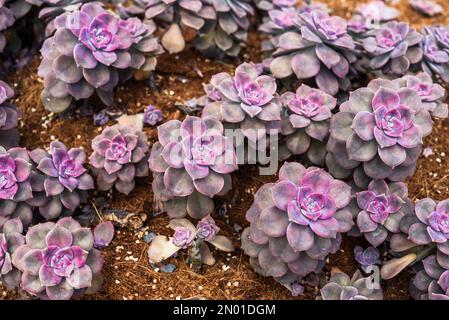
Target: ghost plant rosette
x=296 y=222
x=10 y=239
x=91 y=51
x=191 y=163
x=60 y=181
x=435 y=46
x=58 y=260
x=432 y=281
x=378 y=132
x=120 y=153
x=15 y=187
x=307 y=122
x=320 y=49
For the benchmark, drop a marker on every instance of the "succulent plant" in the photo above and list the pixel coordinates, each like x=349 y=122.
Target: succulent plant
x=435 y=46
x=195 y=239
x=79 y=60
x=393 y=48
x=152 y=116
x=366 y=257
x=191 y=163
x=267 y=5
x=9 y=118
x=432 y=281
x=342 y=287
x=307 y=122
x=120 y=153
x=427 y=7
x=6 y=20
x=377 y=134
x=320 y=49
x=60 y=182
x=10 y=239
x=296 y=222
x=15 y=187
x=382 y=208
x=58 y=260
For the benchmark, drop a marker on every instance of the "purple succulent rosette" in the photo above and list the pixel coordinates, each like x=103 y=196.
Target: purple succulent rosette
x=206 y=229
x=377 y=134
x=93 y=55
x=191 y=163
x=247 y=101
x=183 y=237
x=435 y=46
x=382 y=208
x=393 y=48
x=120 y=153
x=366 y=257
x=58 y=261
x=60 y=182
x=15 y=186
x=10 y=239
x=319 y=49
x=427 y=7
x=343 y=287
x=6 y=20
x=307 y=121
x=152 y=115
x=296 y=222
x=369 y=16
x=9 y=118
x=432 y=281
x=433 y=95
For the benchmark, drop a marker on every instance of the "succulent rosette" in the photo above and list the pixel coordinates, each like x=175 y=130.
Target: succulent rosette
x=10 y=239
x=427 y=7
x=247 y=101
x=15 y=186
x=343 y=287
x=377 y=134
x=60 y=181
x=369 y=16
x=367 y=258
x=9 y=118
x=58 y=260
x=91 y=51
x=393 y=48
x=307 y=123
x=120 y=153
x=320 y=49
x=382 y=207
x=6 y=20
x=432 y=281
x=435 y=46
x=296 y=222
x=191 y=163
x=433 y=95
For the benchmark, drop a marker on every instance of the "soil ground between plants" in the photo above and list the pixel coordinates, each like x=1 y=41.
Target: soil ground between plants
x=127 y=272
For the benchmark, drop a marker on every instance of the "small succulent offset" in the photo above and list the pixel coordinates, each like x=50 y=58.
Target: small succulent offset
x=120 y=153
x=378 y=132
x=366 y=257
x=15 y=186
x=195 y=239
x=319 y=49
x=432 y=281
x=9 y=118
x=10 y=239
x=248 y=101
x=60 y=182
x=58 y=260
x=191 y=163
x=435 y=46
x=307 y=121
x=427 y=7
x=152 y=115
x=393 y=48
x=91 y=51
x=342 y=287
x=382 y=208
x=296 y=222
x=6 y=20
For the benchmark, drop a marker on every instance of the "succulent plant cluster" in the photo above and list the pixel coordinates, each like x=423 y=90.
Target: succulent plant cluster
x=296 y=222
x=9 y=118
x=91 y=51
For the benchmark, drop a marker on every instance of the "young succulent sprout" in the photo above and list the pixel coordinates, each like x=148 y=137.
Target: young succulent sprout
x=79 y=60
x=58 y=260
x=15 y=186
x=120 y=153
x=191 y=163
x=152 y=115
x=366 y=257
x=59 y=180
x=10 y=239
x=296 y=222
x=6 y=20
x=9 y=117
x=382 y=208
x=342 y=287
x=427 y=7
x=435 y=46
x=377 y=134
x=306 y=122
x=320 y=49
x=195 y=239
x=393 y=48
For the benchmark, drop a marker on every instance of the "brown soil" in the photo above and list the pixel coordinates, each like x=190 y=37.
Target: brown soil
x=128 y=274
